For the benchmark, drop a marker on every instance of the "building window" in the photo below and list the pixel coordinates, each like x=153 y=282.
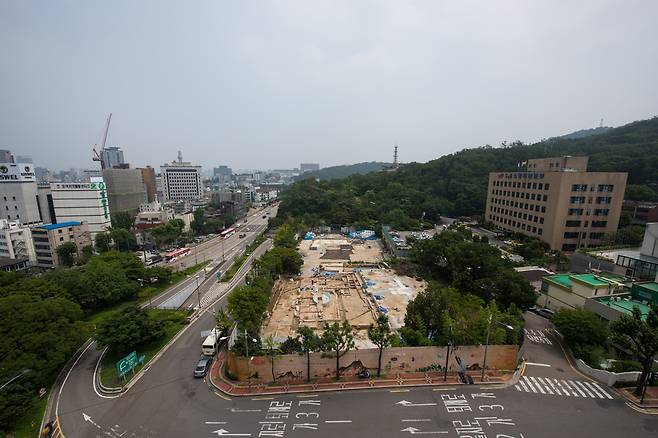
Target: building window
x=601 y=212
x=540 y=231
x=573 y=223
x=603 y=200
x=606 y=187
x=577 y=200
x=575 y=212
x=579 y=188
x=596 y=236
x=571 y=235
x=545 y=198
x=599 y=224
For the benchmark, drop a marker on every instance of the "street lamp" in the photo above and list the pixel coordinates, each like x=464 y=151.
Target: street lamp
x=486 y=347
x=445 y=370
x=198 y=292
x=21 y=373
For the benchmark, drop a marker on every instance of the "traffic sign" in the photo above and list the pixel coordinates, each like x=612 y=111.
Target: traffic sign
x=125 y=365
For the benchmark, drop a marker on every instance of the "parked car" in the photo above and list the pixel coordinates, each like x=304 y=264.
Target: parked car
x=546 y=313
x=202 y=367
x=242 y=235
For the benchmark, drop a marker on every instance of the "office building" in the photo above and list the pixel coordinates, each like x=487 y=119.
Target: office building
x=16 y=241
x=45 y=204
x=610 y=307
x=82 y=202
x=18 y=192
x=150 y=183
x=308 y=167
x=125 y=189
x=6 y=156
x=48 y=237
x=181 y=180
x=112 y=157
x=558 y=201
x=222 y=174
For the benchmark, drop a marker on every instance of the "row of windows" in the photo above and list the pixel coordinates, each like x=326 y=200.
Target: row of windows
x=588 y=212
x=519 y=215
x=595 y=224
x=520 y=225
x=524 y=175
x=522 y=195
x=522 y=185
x=13 y=198
x=575 y=234
x=583 y=199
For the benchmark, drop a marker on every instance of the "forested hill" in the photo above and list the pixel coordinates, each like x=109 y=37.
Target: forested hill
x=456 y=184
x=582 y=133
x=336 y=172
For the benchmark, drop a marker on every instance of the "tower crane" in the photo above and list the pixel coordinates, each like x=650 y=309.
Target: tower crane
x=98 y=156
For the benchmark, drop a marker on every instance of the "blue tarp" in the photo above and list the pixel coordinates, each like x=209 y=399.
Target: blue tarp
x=363 y=235
x=378 y=297
x=309 y=236
x=383 y=309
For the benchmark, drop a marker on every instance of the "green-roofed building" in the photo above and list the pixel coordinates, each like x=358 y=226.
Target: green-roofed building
x=641 y=295
x=571 y=290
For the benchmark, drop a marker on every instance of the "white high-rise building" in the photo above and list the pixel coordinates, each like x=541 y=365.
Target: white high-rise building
x=112 y=156
x=82 y=202
x=18 y=193
x=181 y=180
x=16 y=241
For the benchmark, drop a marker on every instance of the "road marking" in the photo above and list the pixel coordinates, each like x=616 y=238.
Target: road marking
x=414 y=431
x=602 y=390
x=577 y=388
x=219 y=394
x=553 y=387
x=534 y=380
x=529 y=382
x=307 y=395
x=215 y=422
x=399 y=390
x=223 y=432
x=411 y=404
x=558 y=384
x=585 y=388
x=545 y=385
x=414 y=420
x=443 y=389
x=263 y=398
x=538 y=364
x=245 y=410
x=337 y=421
x=589 y=385
x=522 y=383
x=517 y=388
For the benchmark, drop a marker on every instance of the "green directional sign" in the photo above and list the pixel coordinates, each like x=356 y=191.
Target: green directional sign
x=125 y=365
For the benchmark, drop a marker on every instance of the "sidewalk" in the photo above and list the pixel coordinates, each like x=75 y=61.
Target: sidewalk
x=219 y=380
x=650 y=398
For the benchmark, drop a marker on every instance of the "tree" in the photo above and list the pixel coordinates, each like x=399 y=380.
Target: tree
x=122 y=220
x=272 y=351
x=123 y=239
x=222 y=321
x=128 y=329
x=309 y=342
x=583 y=332
x=640 y=337
x=66 y=253
x=339 y=339
x=102 y=241
x=198 y=223
x=380 y=334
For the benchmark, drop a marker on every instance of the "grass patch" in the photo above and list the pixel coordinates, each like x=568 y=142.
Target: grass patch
x=237 y=264
x=144 y=294
x=175 y=321
x=28 y=425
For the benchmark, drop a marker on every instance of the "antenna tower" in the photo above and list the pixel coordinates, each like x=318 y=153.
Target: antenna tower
x=395 y=158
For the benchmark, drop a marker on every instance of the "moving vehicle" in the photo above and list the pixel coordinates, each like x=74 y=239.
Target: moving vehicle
x=177 y=253
x=211 y=343
x=546 y=313
x=227 y=232
x=154 y=259
x=242 y=235
x=202 y=367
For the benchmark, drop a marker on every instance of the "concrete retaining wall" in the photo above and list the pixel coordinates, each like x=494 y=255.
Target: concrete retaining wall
x=607 y=377
x=402 y=360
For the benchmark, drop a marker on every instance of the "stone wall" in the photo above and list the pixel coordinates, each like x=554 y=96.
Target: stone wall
x=394 y=360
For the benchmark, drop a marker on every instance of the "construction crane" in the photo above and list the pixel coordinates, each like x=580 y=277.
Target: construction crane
x=98 y=156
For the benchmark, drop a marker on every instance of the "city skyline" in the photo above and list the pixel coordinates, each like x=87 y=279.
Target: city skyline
x=268 y=86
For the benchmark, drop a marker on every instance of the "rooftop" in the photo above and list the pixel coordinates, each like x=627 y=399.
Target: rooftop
x=623 y=305
x=591 y=280
x=56 y=226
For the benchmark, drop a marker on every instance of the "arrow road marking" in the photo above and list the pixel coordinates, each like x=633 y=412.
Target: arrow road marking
x=89 y=420
x=410 y=404
x=414 y=431
x=224 y=432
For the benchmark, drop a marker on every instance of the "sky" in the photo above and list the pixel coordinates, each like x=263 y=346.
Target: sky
x=270 y=84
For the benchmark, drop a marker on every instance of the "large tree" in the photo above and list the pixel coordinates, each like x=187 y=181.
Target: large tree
x=639 y=336
x=130 y=328
x=123 y=220
x=380 y=334
x=339 y=339
x=67 y=252
x=583 y=332
x=310 y=342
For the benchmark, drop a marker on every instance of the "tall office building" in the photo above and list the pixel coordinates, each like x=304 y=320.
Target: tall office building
x=181 y=180
x=82 y=202
x=558 y=201
x=222 y=174
x=150 y=183
x=125 y=189
x=18 y=191
x=308 y=167
x=112 y=157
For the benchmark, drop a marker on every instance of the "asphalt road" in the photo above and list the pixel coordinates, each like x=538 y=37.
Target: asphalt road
x=168 y=402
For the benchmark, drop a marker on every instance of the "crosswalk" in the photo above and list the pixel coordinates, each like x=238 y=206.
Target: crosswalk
x=537 y=336
x=561 y=387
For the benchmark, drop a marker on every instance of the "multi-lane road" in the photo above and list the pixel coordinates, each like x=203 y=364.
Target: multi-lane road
x=550 y=400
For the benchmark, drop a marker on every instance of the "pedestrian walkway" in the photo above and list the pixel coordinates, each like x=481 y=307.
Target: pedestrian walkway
x=561 y=387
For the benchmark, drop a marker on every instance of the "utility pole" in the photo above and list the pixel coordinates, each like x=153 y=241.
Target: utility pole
x=198 y=293
x=445 y=370
x=246 y=347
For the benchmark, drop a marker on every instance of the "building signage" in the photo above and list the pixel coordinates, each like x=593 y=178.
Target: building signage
x=16 y=172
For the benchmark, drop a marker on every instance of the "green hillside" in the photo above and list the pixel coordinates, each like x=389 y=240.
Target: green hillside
x=456 y=184
x=336 y=172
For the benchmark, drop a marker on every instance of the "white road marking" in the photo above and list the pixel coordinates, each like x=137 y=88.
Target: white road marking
x=537 y=364
x=245 y=410
x=399 y=390
x=215 y=422
x=410 y=404
x=532 y=387
x=416 y=420
x=575 y=394
x=307 y=395
x=577 y=388
x=558 y=384
x=602 y=390
x=589 y=385
x=585 y=388
x=337 y=421
x=537 y=385
x=525 y=388
x=541 y=380
x=414 y=431
x=517 y=388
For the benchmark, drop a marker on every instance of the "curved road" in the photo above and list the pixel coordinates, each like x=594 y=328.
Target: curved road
x=551 y=399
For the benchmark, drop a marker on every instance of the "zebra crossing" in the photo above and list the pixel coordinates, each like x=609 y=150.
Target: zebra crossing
x=537 y=336
x=561 y=387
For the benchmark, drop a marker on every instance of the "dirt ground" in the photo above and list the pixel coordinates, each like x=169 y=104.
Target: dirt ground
x=330 y=289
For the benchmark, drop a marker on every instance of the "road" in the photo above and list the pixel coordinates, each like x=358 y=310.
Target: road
x=550 y=400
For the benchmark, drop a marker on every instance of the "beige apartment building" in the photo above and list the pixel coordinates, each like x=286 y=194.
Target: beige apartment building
x=48 y=237
x=558 y=201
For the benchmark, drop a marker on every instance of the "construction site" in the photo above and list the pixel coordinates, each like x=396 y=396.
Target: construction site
x=342 y=279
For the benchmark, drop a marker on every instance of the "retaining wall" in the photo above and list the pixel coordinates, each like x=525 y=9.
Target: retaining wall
x=607 y=377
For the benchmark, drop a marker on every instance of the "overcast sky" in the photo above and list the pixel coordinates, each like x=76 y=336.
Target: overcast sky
x=267 y=84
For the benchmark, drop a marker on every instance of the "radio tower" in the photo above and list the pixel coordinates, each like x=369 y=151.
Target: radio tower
x=396 y=165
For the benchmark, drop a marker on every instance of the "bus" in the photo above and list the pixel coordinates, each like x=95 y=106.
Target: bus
x=227 y=232
x=211 y=343
x=175 y=254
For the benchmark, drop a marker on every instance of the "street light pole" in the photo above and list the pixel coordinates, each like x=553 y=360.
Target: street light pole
x=246 y=347
x=198 y=292
x=486 y=347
